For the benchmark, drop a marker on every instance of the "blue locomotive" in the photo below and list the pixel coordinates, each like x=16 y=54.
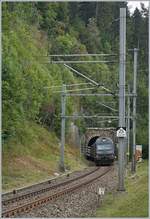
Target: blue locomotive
x=102 y=151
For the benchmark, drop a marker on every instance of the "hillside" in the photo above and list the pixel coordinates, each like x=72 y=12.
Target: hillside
x=31 y=84
x=34 y=156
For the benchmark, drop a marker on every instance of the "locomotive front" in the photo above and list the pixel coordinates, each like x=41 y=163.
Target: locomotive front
x=105 y=151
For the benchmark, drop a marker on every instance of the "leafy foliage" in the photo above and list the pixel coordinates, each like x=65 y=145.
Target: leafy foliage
x=34 y=30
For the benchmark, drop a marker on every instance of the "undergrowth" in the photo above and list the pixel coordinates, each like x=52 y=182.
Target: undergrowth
x=34 y=155
x=131 y=203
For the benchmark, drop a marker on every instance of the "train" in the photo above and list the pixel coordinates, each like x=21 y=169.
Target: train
x=102 y=151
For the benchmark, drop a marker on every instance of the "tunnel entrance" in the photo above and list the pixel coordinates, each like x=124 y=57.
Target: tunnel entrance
x=92 y=140
x=92 y=134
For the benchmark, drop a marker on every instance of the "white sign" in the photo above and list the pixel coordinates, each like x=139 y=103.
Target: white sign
x=101 y=191
x=121 y=133
x=139 y=147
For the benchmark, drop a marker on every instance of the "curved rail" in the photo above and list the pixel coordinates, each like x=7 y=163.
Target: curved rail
x=38 y=192
x=33 y=204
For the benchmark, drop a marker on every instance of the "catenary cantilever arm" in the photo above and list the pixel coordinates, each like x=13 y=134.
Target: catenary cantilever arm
x=87 y=78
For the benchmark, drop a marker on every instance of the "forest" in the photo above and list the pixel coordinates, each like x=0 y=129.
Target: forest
x=33 y=31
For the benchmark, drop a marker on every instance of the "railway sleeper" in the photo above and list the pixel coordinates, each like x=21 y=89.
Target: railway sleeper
x=26 y=208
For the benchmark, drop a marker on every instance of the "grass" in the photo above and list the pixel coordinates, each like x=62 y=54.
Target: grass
x=33 y=156
x=131 y=203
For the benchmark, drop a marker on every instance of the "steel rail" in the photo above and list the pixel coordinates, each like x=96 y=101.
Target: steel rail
x=39 y=202
x=31 y=194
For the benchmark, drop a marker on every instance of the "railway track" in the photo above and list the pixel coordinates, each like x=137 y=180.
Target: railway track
x=26 y=202
x=38 y=188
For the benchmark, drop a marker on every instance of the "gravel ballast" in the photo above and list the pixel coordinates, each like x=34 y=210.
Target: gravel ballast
x=81 y=203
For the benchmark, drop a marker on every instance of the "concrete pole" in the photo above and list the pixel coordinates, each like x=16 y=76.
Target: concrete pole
x=96 y=11
x=149 y=74
x=128 y=128
x=63 y=106
x=121 y=141
x=133 y=165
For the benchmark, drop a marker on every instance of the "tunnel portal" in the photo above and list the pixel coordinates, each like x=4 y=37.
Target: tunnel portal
x=92 y=140
x=92 y=134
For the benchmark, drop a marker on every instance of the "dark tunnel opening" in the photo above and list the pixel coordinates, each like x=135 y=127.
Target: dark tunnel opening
x=92 y=140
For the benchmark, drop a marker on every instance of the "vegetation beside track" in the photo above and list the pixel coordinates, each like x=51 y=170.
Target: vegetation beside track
x=31 y=31
x=131 y=203
x=25 y=162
